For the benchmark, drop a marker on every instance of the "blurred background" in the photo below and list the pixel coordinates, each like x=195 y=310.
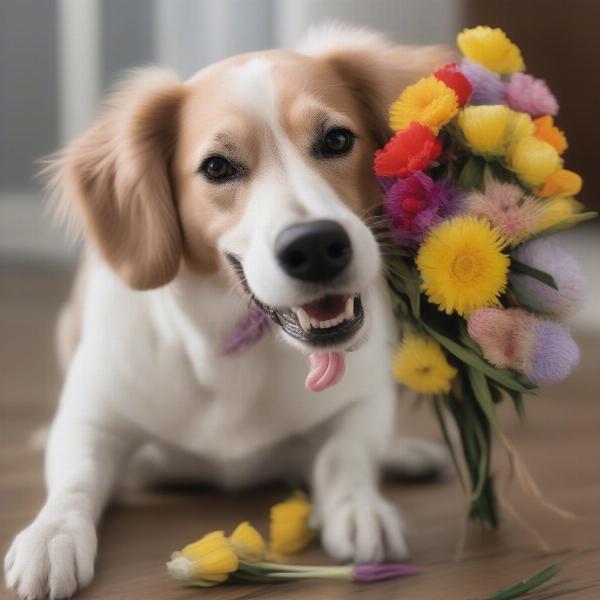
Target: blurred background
x=59 y=57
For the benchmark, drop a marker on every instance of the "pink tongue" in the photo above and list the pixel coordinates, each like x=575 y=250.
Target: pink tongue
x=326 y=369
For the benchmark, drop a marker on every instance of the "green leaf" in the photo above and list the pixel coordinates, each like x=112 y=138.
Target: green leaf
x=471 y=176
x=481 y=391
x=527 y=585
x=442 y=422
x=517 y=266
x=505 y=377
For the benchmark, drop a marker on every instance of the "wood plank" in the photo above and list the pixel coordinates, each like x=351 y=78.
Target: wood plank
x=561 y=445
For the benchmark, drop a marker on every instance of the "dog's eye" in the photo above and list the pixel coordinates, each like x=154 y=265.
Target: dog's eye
x=336 y=142
x=217 y=169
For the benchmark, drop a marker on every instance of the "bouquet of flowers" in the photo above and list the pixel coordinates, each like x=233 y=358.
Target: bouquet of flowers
x=474 y=187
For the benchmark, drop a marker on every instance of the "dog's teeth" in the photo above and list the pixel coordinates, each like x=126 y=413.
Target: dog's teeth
x=349 y=308
x=303 y=318
x=314 y=324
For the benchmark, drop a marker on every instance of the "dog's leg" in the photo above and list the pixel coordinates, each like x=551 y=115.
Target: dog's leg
x=54 y=556
x=357 y=523
x=417 y=459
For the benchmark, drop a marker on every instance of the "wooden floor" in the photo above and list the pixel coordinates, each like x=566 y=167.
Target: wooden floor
x=561 y=444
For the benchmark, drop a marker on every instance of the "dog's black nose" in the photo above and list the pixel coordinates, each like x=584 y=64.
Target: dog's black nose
x=315 y=251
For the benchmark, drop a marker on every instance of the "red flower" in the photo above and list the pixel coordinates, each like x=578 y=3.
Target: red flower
x=455 y=80
x=410 y=150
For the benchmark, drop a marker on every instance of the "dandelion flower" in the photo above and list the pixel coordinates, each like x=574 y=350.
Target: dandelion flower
x=247 y=543
x=410 y=150
x=486 y=128
x=490 y=48
x=462 y=265
x=429 y=102
x=533 y=160
x=290 y=529
x=513 y=213
x=204 y=563
x=488 y=87
x=561 y=183
x=515 y=339
x=547 y=255
x=417 y=203
x=547 y=131
x=528 y=94
x=421 y=365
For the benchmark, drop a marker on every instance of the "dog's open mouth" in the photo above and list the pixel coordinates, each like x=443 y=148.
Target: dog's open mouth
x=326 y=322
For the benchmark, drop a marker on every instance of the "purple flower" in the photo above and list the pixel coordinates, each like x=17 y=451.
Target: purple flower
x=528 y=94
x=555 y=354
x=488 y=87
x=546 y=254
x=416 y=203
x=369 y=573
x=247 y=332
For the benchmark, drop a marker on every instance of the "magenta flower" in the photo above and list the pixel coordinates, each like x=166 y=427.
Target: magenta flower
x=515 y=339
x=546 y=254
x=488 y=87
x=416 y=203
x=525 y=93
x=247 y=332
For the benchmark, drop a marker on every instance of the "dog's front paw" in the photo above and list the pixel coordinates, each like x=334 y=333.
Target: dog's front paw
x=53 y=557
x=362 y=527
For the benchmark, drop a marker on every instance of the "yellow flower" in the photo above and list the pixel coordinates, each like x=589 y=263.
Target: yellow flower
x=289 y=528
x=429 y=101
x=547 y=131
x=204 y=563
x=491 y=48
x=486 y=128
x=421 y=365
x=462 y=265
x=247 y=543
x=533 y=160
x=520 y=125
x=561 y=183
x=557 y=211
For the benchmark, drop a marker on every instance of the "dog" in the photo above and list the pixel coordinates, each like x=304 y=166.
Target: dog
x=248 y=184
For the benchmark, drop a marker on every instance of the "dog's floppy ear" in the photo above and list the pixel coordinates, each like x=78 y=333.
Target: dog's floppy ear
x=117 y=177
x=375 y=70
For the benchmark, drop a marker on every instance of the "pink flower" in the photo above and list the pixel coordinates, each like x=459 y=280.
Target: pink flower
x=515 y=339
x=508 y=208
x=525 y=93
x=416 y=203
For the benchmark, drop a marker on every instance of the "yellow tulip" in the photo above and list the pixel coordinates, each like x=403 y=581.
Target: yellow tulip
x=533 y=160
x=486 y=128
x=290 y=530
x=247 y=543
x=204 y=563
x=490 y=48
x=561 y=183
x=556 y=211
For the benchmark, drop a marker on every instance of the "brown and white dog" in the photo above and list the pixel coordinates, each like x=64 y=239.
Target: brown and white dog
x=248 y=181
